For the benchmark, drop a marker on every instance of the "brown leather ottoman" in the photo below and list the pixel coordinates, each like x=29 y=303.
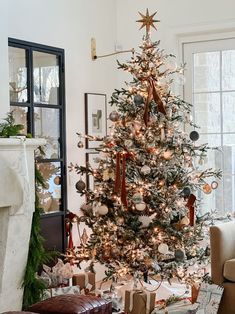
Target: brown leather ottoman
x=73 y=304
x=18 y=312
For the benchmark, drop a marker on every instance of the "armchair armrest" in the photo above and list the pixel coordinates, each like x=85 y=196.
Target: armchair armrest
x=222 y=239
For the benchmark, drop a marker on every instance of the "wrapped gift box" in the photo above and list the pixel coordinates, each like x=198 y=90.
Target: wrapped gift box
x=52 y=292
x=85 y=280
x=139 y=302
x=180 y=307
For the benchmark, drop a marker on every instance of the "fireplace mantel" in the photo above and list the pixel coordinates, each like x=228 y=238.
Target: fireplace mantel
x=17 y=196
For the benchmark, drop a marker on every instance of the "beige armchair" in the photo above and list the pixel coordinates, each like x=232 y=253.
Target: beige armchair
x=222 y=239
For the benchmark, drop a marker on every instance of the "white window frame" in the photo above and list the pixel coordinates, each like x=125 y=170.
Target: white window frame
x=215 y=42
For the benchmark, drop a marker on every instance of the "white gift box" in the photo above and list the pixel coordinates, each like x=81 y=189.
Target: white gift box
x=52 y=292
x=181 y=307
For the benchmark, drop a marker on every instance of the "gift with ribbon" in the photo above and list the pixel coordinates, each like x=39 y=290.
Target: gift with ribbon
x=139 y=302
x=57 y=276
x=52 y=292
x=85 y=280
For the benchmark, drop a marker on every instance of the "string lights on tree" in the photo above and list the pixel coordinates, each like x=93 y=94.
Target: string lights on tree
x=142 y=211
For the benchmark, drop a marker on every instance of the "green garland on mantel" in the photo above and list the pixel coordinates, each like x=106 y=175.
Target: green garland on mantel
x=37 y=256
x=9 y=128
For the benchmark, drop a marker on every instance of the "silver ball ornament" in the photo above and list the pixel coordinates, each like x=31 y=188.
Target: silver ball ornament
x=137 y=198
x=138 y=100
x=179 y=255
x=163 y=248
x=145 y=170
x=186 y=191
x=114 y=116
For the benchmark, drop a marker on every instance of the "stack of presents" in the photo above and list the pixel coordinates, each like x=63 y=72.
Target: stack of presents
x=127 y=296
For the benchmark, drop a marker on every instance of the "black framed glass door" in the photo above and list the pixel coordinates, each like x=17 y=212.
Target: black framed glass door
x=37 y=100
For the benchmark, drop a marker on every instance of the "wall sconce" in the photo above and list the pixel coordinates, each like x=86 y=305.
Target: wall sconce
x=95 y=57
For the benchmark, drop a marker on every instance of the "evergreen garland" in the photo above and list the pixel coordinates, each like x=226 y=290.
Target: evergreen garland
x=37 y=256
x=9 y=128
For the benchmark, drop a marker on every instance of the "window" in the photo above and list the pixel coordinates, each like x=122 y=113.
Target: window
x=36 y=87
x=210 y=86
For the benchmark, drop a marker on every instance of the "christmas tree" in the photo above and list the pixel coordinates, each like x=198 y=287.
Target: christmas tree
x=143 y=209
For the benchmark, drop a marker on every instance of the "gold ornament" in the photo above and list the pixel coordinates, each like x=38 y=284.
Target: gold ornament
x=84 y=237
x=185 y=221
x=106 y=175
x=167 y=154
x=80 y=144
x=207 y=188
x=57 y=180
x=80 y=185
x=147 y=21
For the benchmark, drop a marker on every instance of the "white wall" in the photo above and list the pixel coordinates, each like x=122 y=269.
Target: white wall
x=67 y=24
x=178 y=18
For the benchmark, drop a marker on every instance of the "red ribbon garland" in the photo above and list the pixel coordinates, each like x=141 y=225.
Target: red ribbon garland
x=190 y=205
x=120 y=179
x=68 y=227
x=123 y=189
x=153 y=94
x=118 y=174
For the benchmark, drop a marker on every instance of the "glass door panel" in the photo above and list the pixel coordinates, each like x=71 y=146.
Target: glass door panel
x=17 y=75
x=37 y=100
x=50 y=196
x=46 y=78
x=47 y=125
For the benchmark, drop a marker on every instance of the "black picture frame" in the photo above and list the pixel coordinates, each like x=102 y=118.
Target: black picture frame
x=95 y=118
x=90 y=156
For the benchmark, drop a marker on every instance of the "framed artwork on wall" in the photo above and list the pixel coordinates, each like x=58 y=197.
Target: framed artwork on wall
x=95 y=117
x=91 y=158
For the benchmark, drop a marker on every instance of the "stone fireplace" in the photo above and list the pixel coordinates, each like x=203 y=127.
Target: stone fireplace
x=17 y=196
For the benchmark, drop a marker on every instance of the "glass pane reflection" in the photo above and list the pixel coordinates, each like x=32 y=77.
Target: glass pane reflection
x=20 y=116
x=17 y=75
x=46 y=78
x=207 y=71
x=47 y=126
x=50 y=197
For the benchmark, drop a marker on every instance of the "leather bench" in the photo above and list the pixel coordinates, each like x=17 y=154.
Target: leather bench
x=73 y=304
x=18 y=312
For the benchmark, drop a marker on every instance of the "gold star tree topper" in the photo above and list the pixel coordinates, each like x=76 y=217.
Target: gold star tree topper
x=147 y=21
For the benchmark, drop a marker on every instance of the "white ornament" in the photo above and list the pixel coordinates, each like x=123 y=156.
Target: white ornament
x=101 y=210
x=128 y=143
x=140 y=207
x=146 y=220
x=163 y=248
x=145 y=170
